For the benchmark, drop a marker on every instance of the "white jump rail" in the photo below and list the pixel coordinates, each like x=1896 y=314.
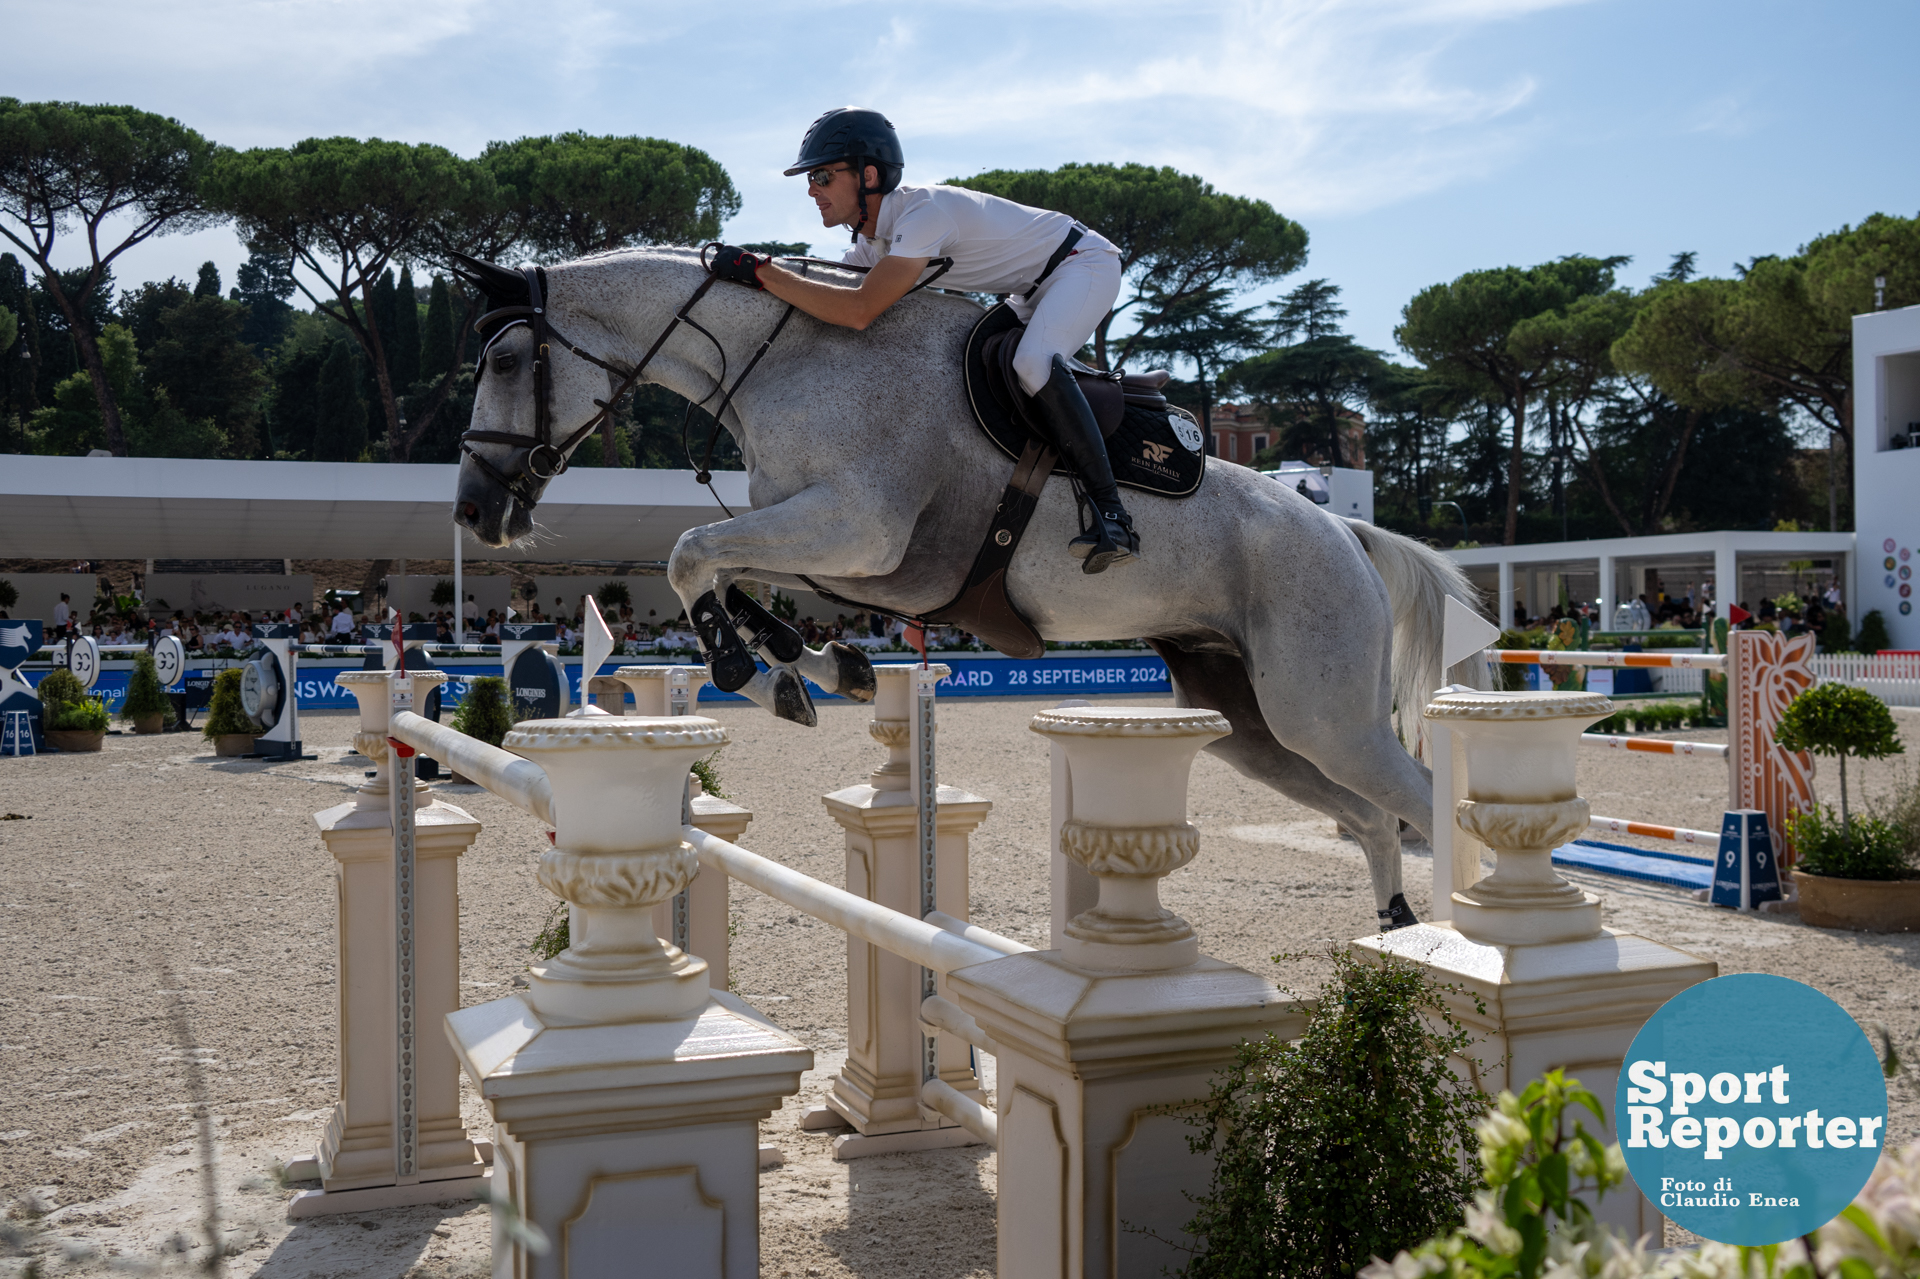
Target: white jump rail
x=1656 y=745
x=1657 y=661
x=1652 y=830
x=520 y=782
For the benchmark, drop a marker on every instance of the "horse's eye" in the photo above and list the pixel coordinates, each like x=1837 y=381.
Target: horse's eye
x=504 y=362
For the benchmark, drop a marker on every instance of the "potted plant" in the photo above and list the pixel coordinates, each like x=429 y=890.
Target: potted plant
x=1852 y=872
x=483 y=714
x=227 y=726
x=71 y=720
x=147 y=706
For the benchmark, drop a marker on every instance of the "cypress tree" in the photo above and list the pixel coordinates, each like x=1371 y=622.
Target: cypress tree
x=436 y=344
x=403 y=349
x=340 y=414
x=209 y=285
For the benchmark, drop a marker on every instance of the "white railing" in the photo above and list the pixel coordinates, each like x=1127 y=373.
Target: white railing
x=1654 y=661
x=1894 y=678
x=1656 y=745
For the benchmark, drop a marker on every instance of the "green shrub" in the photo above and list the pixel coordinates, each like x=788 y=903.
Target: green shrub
x=1864 y=848
x=88 y=715
x=555 y=935
x=1532 y=1217
x=709 y=776
x=443 y=593
x=1837 y=720
x=1353 y=1142
x=613 y=595
x=1872 y=635
x=1899 y=809
x=483 y=714
x=225 y=715
x=58 y=690
x=9 y=594
x=144 y=694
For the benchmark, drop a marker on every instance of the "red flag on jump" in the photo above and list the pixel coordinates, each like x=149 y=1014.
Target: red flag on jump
x=1737 y=615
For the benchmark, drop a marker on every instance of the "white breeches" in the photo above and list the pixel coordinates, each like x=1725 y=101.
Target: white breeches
x=1064 y=313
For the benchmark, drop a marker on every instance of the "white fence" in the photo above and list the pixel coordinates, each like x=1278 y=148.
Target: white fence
x=1894 y=678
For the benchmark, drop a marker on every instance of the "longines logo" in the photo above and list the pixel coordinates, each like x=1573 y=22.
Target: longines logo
x=517 y=629
x=1156 y=452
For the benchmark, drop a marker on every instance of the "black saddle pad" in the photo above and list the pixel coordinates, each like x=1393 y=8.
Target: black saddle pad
x=1156 y=448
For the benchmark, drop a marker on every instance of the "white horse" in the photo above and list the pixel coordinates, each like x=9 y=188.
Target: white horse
x=868 y=474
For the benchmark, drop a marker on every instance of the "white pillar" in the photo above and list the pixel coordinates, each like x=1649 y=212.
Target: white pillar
x=1526 y=964
x=1100 y=1041
x=1726 y=581
x=877 y=1092
x=355 y=1161
x=459 y=592
x=1506 y=594
x=626 y=1093
x=1607 y=590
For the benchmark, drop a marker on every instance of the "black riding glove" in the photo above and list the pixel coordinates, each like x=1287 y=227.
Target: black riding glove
x=737 y=265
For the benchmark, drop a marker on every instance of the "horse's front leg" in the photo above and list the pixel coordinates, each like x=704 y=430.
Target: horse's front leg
x=836 y=667
x=809 y=533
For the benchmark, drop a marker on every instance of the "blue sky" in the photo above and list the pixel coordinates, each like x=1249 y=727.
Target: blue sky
x=1415 y=139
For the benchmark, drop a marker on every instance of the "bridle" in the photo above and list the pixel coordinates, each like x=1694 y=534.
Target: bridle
x=539 y=457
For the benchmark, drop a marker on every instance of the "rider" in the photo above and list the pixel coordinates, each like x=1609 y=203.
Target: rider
x=1059 y=277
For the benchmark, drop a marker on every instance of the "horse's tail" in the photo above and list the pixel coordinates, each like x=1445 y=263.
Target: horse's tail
x=1418 y=579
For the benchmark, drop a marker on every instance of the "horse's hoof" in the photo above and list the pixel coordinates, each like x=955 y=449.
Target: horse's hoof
x=1397 y=914
x=790 y=698
x=856 y=680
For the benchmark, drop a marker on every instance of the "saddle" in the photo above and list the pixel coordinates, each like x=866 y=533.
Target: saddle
x=1153 y=447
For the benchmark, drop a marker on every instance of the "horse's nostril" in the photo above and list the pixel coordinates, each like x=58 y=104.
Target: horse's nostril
x=469 y=511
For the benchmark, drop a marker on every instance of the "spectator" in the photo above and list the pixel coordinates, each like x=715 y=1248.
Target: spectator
x=62 y=613
x=342 y=626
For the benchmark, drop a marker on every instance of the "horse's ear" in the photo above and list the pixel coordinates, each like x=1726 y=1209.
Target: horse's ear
x=503 y=287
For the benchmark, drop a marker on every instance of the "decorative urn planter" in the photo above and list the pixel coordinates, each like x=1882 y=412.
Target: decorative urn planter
x=146 y=725
x=1863 y=905
x=233 y=744
x=75 y=739
x=1522 y=804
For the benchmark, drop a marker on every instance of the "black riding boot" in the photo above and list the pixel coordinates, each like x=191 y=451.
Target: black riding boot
x=1111 y=539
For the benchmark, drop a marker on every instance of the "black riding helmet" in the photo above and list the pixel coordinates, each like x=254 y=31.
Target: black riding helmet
x=860 y=137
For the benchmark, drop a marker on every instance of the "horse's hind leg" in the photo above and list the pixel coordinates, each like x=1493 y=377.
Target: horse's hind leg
x=1218 y=682
x=838 y=668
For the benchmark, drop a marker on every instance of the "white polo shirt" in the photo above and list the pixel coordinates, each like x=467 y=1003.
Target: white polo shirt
x=997 y=246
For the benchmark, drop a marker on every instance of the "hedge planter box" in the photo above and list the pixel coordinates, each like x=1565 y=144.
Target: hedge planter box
x=1864 y=905
x=75 y=739
x=145 y=724
x=233 y=744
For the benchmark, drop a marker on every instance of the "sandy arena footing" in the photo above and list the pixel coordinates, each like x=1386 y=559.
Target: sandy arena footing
x=171 y=919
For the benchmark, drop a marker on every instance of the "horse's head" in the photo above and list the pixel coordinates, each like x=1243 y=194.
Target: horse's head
x=528 y=407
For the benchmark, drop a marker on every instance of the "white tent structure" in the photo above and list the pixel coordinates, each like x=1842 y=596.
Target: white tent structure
x=181 y=508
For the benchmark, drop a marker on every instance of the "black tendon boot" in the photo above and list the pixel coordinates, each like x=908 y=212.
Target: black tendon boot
x=1111 y=540
x=729 y=664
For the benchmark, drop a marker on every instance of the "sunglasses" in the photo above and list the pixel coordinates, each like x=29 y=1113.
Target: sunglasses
x=823 y=177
